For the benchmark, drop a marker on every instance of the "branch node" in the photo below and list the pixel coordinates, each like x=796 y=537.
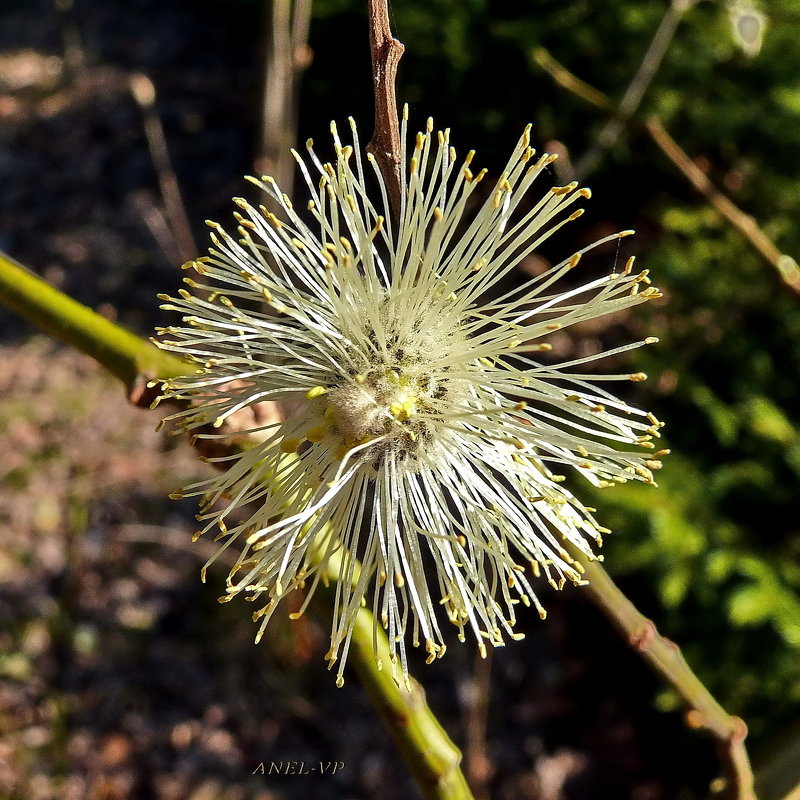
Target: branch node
x=141 y=393
x=739 y=732
x=695 y=720
x=642 y=639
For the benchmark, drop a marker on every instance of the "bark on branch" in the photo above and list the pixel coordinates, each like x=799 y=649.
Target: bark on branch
x=385 y=143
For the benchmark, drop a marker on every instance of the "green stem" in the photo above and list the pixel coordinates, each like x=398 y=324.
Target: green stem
x=127 y=356
x=432 y=758
x=666 y=658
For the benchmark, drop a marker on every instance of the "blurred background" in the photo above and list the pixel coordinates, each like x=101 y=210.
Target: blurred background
x=123 y=127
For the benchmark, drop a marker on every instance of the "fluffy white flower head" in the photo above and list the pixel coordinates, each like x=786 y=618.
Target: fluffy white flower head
x=424 y=433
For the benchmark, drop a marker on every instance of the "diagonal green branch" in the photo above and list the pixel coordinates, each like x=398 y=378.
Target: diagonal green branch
x=666 y=658
x=432 y=758
x=130 y=358
x=434 y=761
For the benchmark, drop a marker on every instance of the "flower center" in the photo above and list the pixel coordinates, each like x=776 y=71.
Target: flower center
x=381 y=404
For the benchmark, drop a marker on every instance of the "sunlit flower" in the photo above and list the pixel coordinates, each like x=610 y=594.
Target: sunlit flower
x=425 y=427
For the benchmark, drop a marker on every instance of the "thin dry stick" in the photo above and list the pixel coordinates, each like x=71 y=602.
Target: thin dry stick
x=665 y=657
x=785 y=265
x=611 y=131
x=74 y=55
x=745 y=224
x=144 y=92
x=287 y=55
x=571 y=82
x=385 y=143
x=479 y=768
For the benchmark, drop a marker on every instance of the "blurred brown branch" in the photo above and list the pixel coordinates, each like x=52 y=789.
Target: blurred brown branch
x=479 y=767
x=144 y=92
x=287 y=55
x=665 y=658
x=632 y=98
x=785 y=265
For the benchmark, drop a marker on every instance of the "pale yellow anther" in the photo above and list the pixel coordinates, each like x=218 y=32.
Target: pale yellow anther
x=562 y=190
x=478 y=265
x=317 y=434
x=403 y=410
x=359 y=378
x=637 y=377
x=290 y=445
x=317 y=391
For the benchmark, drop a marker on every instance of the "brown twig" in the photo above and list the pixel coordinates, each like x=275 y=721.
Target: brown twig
x=632 y=98
x=144 y=92
x=478 y=766
x=385 y=143
x=785 y=265
x=74 y=54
